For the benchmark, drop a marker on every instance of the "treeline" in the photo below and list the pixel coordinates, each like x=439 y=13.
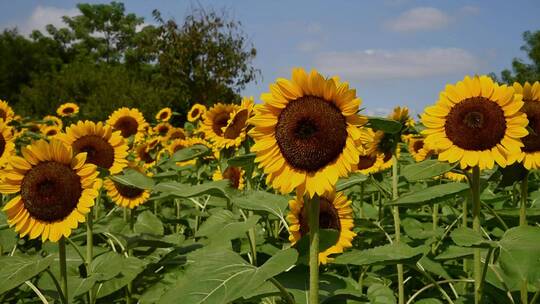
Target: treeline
x=105 y=58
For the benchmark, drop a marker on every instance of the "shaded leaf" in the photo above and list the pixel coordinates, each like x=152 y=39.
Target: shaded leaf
x=431 y=195
x=388 y=254
x=133 y=178
x=426 y=169
x=148 y=223
x=18 y=269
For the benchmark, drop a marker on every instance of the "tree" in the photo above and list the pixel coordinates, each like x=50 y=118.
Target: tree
x=522 y=71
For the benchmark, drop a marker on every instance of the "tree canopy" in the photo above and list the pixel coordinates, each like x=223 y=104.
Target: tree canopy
x=521 y=70
x=105 y=58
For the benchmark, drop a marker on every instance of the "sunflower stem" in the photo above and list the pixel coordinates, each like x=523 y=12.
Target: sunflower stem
x=397 y=227
x=63 y=268
x=313 y=205
x=475 y=194
x=464 y=224
x=435 y=220
x=362 y=186
x=523 y=207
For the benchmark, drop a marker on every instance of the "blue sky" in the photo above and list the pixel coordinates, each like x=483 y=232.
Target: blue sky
x=394 y=52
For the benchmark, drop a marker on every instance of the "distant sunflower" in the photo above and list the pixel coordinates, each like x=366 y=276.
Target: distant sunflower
x=164 y=114
x=176 y=133
x=179 y=144
x=51 y=120
x=335 y=212
x=67 y=109
x=126 y=196
x=418 y=149
x=401 y=114
x=196 y=112
x=235 y=175
x=369 y=163
x=234 y=133
x=215 y=120
x=50 y=131
x=145 y=155
x=55 y=190
x=130 y=122
x=7 y=145
x=384 y=144
x=476 y=123
x=105 y=148
x=6 y=112
x=162 y=129
x=530 y=155
x=305 y=132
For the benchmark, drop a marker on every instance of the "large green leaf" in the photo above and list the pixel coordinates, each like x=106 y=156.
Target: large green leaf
x=380 y=294
x=520 y=254
x=384 y=124
x=133 y=178
x=190 y=153
x=352 y=180
x=215 y=188
x=431 y=195
x=466 y=237
x=426 y=169
x=224 y=225
x=388 y=254
x=418 y=230
x=224 y=276
x=15 y=270
x=263 y=201
x=148 y=223
x=130 y=268
x=455 y=252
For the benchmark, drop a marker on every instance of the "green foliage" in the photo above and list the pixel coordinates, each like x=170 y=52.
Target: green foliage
x=522 y=70
x=18 y=269
x=425 y=170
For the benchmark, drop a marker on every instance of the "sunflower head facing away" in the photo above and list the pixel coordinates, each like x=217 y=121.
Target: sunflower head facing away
x=67 y=109
x=530 y=155
x=418 y=150
x=6 y=112
x=234 y=175
x=196 y=112
x=335 y=212
x=130 y=122
x=54 y=190
x=305 y=132
x=7 y=145
x=164 y=114
x=104 y=148
x=476 y=122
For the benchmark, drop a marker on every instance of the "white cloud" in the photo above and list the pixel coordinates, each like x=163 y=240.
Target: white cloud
x=397 y=64
x=43 y=15
x=419 y=19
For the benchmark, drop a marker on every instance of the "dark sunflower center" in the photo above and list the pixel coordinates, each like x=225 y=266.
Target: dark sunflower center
x=50 y=191
x=328 y=217
x=311 y=133
x=163 y=115
x=178 y=147
x=68 y=110
x=418 y=145
x=233 y=174
x=237 y=125
x=3 y=114
x=177 y=134
x=195 y=112
x=128 y=191
x=34 y=128
x=387 y=156
x=144 y=155
x=366 y=161
x=51 y=132
x=475 y=124
x=532 y=140
x=220 y=121
x=127 y=126
x=99 y=151
x=2 y=144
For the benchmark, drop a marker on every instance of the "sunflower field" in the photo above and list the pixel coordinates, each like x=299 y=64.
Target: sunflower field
x=297 y=197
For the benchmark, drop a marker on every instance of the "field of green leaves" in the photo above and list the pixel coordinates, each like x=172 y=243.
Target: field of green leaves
x=295 y=198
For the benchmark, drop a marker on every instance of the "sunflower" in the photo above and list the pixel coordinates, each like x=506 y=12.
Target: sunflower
x=476 y=123
x=454 y=176
x=176 y=133
x=164 y=114
x=51 y=120
x=530 y=155
x=105 y=148
x=196 y=112
x=130 y=122
x=305 y=132
x=235 y=175
x=234 y=133
x=179 y=144
x=335 y=212
x=67 y=109
x=126 y=196
x=55 y=190
x=401 y=114
x=50 y=131
x=384 y=144
x=162 y=129
x=369 y=163
x=145 y=155
x=6 y=112
x=215 y=120
x=7 y=145
x=418 y=149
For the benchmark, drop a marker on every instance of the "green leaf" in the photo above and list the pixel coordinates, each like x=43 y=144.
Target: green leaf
x=520 y=254
x=106 y=266
x=426 y=169
x=190 y=153
x=224 y=225
x=244 y=161
x=455 y=252
x=511 y=174
x=220 y=277
x=18 y=269
x=263 y=201
x=215 y=188
x=327 y=239
x=431 y=195
x=352 y=180
x=429 y=301
x=466 y=237
x=148 y=223
x=386 y=255
x=380 y=294
x=134 y=178
x=434 y=267
x=418 y=230
x=130 y=268
x=384 y=124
